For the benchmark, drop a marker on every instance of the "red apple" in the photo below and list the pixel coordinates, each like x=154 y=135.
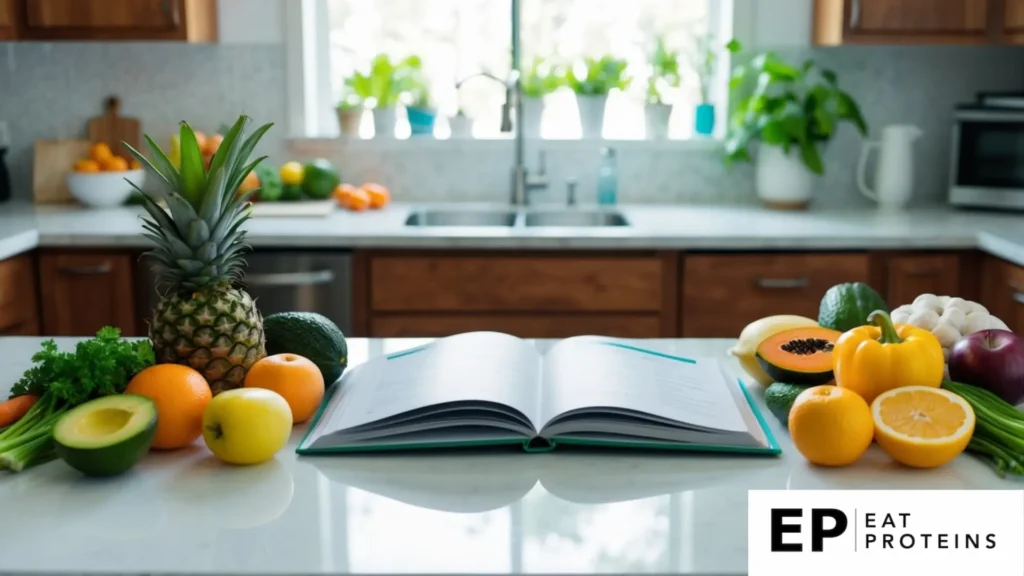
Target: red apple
x=990 y=359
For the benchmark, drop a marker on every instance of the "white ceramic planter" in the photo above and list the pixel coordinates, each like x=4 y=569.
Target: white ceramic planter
x=384 y=120
x=591 y=114
x=533 y=111
x=783 y=182
x=461 y=126
x=657 y=116
x=349 y=121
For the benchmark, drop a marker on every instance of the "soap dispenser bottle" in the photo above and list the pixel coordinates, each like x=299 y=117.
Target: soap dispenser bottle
x=5 y=177
x=607 y=178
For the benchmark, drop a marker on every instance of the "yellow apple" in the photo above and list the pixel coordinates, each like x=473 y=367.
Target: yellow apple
x=247 y=425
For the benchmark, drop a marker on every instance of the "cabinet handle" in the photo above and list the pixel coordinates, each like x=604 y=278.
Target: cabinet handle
x=922 y=272
x=290 y=279
x=1018 y=297
x=170 y=9
x=854 y=13
x=96 y=270
x=782 y=283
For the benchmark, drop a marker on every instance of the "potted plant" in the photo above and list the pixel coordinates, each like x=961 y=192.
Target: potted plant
x=592 y=79
x=350 y=109
x=663 y=81
x=705 y=58
x=415 y=88
x=542 y=78
x=793 y=112
x=461 y=125
x=381 y=90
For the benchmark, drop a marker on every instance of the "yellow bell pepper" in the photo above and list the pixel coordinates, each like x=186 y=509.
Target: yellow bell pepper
x=876 y=358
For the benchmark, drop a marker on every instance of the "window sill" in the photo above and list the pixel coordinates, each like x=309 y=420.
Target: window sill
x=330 y=146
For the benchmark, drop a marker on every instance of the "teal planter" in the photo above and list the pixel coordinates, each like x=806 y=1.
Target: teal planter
x=705 y=119
x=421 y=122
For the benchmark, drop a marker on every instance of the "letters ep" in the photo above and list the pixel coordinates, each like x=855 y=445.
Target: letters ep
x=783 y=523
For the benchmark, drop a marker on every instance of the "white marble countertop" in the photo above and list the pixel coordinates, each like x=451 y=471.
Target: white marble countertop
x=477 y=513
x=652 y=227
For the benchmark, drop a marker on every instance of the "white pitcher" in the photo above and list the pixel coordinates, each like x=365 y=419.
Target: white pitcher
x=894 y=178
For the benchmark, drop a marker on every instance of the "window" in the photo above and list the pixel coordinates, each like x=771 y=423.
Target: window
x=456 y=39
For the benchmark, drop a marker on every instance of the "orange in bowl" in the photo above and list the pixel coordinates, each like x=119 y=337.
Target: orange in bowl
x=87 y=165
x=181 y=395
x=294 y=377
x=100 y=152
x=114 y=164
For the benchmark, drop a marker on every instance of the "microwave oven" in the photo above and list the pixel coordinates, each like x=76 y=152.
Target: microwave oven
x=987 y=167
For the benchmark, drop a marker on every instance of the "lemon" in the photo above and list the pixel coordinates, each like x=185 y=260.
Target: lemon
x=292 y=173
x=921 y=426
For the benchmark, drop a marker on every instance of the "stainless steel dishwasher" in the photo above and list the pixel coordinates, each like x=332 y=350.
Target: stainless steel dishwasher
x=289 y=281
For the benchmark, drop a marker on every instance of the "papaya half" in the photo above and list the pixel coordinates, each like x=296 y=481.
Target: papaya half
x=799 y=355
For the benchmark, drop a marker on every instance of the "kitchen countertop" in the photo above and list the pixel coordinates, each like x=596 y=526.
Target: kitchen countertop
x=23 y=227
x=482 y=513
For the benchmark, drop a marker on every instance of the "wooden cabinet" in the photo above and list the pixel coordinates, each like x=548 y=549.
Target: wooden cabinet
x=19 y=308
x=905 y=21
x=183 y=20
x=532 y=295
x=723 y=293
x=82 y=292
x=1002 y=291
x=908 y=276
x=1013 y=21
x=8 y=20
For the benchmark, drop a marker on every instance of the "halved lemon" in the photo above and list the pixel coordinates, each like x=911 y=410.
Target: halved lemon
x=921 y=426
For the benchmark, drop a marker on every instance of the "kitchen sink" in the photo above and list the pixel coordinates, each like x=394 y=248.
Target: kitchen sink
x=461 y=218
x=574 y=219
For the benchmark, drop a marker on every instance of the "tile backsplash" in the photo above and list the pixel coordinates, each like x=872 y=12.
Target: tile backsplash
x=51 y=90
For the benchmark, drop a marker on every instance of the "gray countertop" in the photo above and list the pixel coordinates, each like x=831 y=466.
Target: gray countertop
x=728 y=227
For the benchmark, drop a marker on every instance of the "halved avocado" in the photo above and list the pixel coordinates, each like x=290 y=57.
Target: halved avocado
x=106 y=436
x=799 y=355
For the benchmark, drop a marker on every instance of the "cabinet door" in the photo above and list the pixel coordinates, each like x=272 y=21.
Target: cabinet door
x=19 y=310
x=724 y=293
x=916 y=20
x=521 y=325
x=1013 y=20
x=7 y=29
x=99 y=14
x=1002 y=292
x=83 y=292
x=910 y=276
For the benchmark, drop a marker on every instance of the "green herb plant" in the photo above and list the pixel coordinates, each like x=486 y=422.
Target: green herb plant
x=413 y=84
x=598 y=76
x=100 y=366
x=542 y=78
x=787 y=106
x=703 y=61
x=998 y=429
x=351 y=98
x=384 y=84
x=665 y=74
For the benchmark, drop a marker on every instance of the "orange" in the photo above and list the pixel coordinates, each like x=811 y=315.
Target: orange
x=181 y=395
x=250 y=183
x=294 y=377
x=831 y=426
x=356 y=200
x=212 y=144
x=87 y=165
x=921 y=426
x=379 y=195
x=100 y=152
x=134 y=165
x=200 y=140
x=114 y=164
x=341 y=191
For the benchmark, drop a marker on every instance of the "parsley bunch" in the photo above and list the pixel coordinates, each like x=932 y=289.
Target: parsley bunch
x=100 y=366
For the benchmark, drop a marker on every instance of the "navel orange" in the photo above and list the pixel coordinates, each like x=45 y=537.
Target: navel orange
x=379 y=195
x=100 y=152
x=831 y=426
x=921 y=426
x=87 y=165
x=114 y=164
x=181 y=395
x=294 y=377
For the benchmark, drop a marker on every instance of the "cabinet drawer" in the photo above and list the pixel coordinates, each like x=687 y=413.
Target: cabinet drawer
x=17 y=292
x=85 y=291
x=723 y=293
x=521 y=325
x=1002 y=292
x=516 y=283
x=910 y=276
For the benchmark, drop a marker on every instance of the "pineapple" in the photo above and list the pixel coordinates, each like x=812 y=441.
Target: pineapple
x=203 y=320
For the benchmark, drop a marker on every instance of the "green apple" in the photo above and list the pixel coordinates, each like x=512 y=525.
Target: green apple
x=247 y=425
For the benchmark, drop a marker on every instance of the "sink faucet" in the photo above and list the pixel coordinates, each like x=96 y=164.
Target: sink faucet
x=522 y=183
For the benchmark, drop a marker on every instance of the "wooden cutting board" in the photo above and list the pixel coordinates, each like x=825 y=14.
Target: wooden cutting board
x=113 y=129
x=51 y=163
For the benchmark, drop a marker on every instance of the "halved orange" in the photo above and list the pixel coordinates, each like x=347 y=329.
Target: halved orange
x=921 y=426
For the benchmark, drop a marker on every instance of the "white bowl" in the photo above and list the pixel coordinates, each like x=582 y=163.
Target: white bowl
x=104 y=189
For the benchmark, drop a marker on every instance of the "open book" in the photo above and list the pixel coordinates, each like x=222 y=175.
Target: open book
x=487 y=388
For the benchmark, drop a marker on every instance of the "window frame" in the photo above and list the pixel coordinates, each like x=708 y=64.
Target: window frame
x=311 y=104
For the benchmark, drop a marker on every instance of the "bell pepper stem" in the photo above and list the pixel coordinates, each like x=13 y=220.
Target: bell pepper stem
x=881 y=319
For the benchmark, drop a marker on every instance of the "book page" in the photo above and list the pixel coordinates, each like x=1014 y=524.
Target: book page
x=478 y=366
x=590 y=373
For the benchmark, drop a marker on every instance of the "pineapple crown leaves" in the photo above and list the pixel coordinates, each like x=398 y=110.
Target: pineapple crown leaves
x=199 y=237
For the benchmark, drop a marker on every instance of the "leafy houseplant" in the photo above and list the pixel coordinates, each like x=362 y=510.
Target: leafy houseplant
x=592 y=79
x=381 y=87
x=350 y=109
x=541 y=78
x=415 y=90
x=793 y=111
x=664 y=79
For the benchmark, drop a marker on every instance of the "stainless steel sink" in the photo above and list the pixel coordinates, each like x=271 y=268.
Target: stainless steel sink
x=461 y=218
x=575 y=218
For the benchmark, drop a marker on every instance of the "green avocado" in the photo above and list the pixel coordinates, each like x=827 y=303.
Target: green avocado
x=847 y=306
x=779 y=398
x=106 y=436
x=319 y=179
x=291 y=192
x=310 y=335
